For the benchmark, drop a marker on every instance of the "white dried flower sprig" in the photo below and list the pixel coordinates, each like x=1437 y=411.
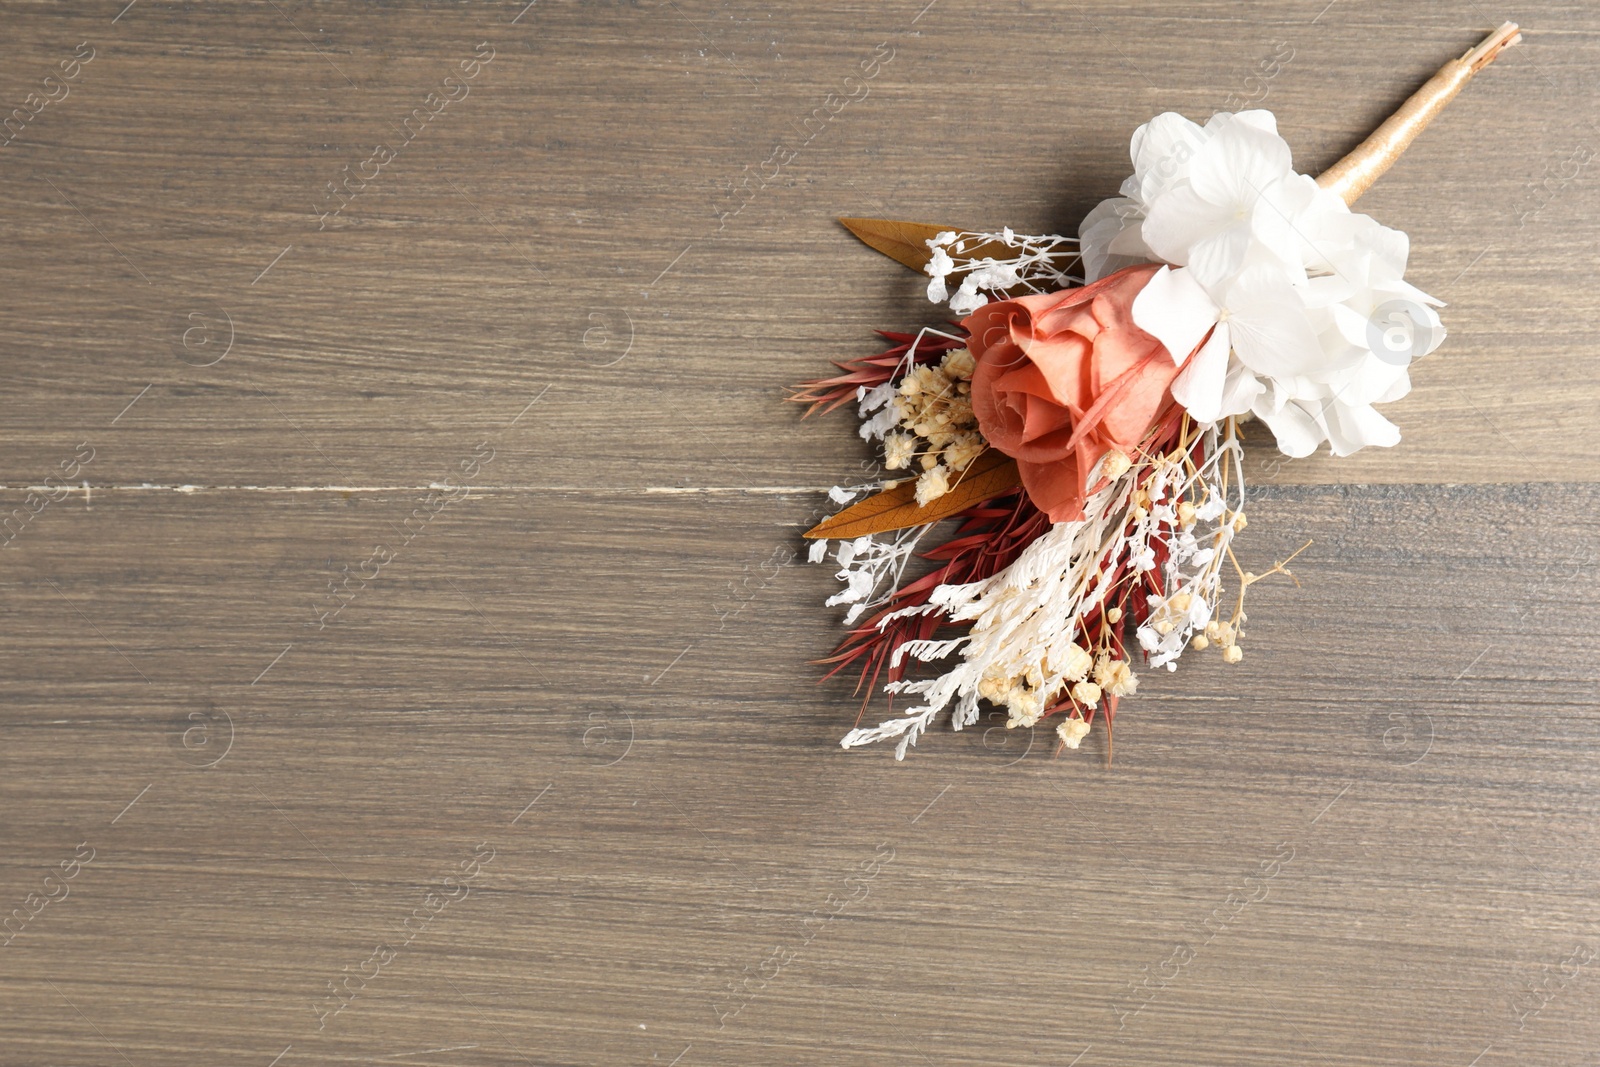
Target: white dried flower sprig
x=1197 y=539
x=1024 y=624
x=871 y=569
x=1026 y=650
x=1042 y=264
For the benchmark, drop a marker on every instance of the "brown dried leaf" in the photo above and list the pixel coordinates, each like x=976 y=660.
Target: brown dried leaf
x=896 y=507
x=907 y=242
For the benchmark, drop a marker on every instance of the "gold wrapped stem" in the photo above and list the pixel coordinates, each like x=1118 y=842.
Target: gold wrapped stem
x=1355 y=173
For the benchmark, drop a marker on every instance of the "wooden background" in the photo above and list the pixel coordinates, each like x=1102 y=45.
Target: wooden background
x=585 y=682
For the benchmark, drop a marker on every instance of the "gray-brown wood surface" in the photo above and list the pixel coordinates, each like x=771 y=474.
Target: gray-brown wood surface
x=308 y=757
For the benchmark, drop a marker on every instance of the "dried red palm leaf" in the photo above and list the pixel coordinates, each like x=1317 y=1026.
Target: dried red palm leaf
x=868 y=372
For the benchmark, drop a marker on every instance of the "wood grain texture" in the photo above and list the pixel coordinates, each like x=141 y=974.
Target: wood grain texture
x=287 y=690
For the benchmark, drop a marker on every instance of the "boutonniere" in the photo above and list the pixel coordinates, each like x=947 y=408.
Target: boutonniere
x=1080 y=423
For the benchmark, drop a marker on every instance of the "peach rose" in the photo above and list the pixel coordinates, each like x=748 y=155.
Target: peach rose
x=1062 y=378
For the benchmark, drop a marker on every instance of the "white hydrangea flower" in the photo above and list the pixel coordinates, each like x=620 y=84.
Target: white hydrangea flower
x=1302 y=305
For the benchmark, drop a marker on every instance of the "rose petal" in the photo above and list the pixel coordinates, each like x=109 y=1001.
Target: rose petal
x=1061 y=378
x=1146 y=393
x=1055 y=488
x=1063 y=365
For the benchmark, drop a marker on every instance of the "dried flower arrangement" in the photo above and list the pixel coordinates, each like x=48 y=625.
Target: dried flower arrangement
x=1081 y=422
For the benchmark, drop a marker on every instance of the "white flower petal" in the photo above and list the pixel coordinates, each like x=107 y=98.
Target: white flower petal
x=1161 y=152
x=1260 y=118
x=1297 y=431
x=1353 y=428
x=1109 y=238
x=1392 y=247
x=1286 y=220
x=1175 y=310
x=1352 y=324
x=1312 y=297
x=1398 y=387
x=1237 y=165
x=1199 y=388
x=1240 y=391
x=1270 y=330
x=1130 y=245
x=1181 y=219
x=1217 y=258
